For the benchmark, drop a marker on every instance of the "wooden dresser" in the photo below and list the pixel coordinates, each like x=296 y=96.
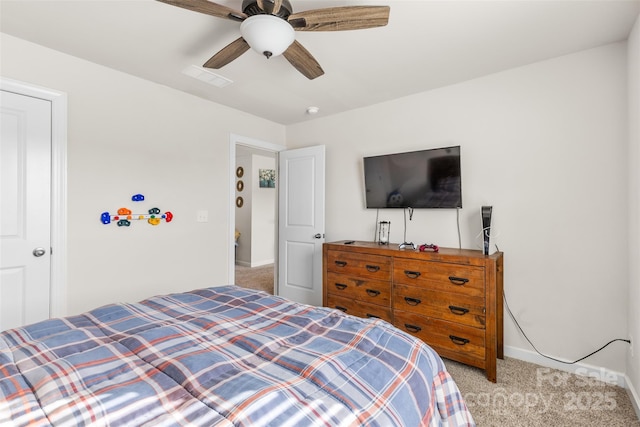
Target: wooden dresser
x=452 y=299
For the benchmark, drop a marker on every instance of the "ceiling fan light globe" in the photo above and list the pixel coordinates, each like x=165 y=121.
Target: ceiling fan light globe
x=267 y=33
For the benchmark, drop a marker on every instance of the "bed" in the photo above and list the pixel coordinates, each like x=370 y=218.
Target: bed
x=223 y=356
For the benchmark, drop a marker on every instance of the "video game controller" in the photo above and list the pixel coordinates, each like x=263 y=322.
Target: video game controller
x=424 y=247
x=407 y=245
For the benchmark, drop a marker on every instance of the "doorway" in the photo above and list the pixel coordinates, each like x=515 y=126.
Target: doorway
x=253 y=215
x=256 y=218
x=299 y=229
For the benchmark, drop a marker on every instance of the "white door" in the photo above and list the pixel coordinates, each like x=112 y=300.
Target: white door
x=301 y=224
x=25 y=209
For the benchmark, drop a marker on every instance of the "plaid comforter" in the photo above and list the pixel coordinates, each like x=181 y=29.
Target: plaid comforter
x=222 y=356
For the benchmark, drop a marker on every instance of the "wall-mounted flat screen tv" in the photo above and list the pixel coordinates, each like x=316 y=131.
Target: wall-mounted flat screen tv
x=417 y=179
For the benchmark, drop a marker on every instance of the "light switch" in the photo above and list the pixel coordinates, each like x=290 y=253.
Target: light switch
x=202 y=216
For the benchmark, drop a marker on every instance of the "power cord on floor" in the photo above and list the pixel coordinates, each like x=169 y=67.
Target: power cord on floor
x=549 y=357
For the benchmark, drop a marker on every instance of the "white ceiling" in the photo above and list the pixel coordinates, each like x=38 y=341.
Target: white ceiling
x=427 y=44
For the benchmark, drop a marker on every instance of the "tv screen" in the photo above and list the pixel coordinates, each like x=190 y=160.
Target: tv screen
x=416 y=179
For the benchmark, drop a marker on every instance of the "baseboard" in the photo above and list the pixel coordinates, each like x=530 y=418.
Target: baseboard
x=593 y=372
x=254 y=264
x=633 y=396
x=261 y=263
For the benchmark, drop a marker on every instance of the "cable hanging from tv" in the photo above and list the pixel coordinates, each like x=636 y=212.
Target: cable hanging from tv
x=405 y=244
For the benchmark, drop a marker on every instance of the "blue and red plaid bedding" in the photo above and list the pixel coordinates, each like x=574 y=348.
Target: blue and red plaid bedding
x=222 y=356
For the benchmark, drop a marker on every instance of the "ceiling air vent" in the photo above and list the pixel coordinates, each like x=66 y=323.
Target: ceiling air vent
x=206 y=76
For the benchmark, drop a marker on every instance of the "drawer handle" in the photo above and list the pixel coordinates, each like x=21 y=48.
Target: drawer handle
x=458 y=341
x=341 y=263
x=412 y=274
x=460 y=311
x=373 y=268
x=412 y=301
x=341 y=286
x=459 y=281
x=412 y=328
x=373 y=316
x=373 y=292
x=341 y=308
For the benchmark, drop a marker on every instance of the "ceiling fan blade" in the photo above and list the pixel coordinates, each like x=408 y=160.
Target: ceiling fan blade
x=208 y=8
x=227 y=54
x=303 y=61
x=340 y=18
x=277 y=4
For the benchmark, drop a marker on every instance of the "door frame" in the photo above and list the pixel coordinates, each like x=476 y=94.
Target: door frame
x=58 y=273
x=235 y=139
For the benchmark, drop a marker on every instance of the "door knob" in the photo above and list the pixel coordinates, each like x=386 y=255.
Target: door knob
x=38 y=252
x=317 y=236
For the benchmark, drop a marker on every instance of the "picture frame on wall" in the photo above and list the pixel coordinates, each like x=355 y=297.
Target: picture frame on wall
x=267 y=178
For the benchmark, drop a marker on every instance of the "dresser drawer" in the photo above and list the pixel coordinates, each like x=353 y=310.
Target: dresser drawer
x=359 y=308
x=454 y=307
x=451 y=340
x=463 y=279
x=366 y=290
x=359 y=265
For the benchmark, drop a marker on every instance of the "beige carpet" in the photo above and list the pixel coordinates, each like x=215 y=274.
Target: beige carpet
x=260 y=278
x=532 y=395
x=525 y=394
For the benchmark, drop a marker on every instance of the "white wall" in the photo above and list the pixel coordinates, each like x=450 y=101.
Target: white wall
x=263 y=215
x=127 y=136
x=546 y=145
x=633 y=360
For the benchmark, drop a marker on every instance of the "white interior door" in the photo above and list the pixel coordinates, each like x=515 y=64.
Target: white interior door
x=301 y=200
x=25 y=209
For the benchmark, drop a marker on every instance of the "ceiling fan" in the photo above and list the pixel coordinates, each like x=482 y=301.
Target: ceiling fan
x=268 y=27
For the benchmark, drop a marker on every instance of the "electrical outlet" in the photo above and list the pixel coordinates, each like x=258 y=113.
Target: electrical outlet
x=202 y=216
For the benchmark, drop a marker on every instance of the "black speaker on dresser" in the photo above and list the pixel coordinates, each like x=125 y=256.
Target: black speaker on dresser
x=486 y=229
